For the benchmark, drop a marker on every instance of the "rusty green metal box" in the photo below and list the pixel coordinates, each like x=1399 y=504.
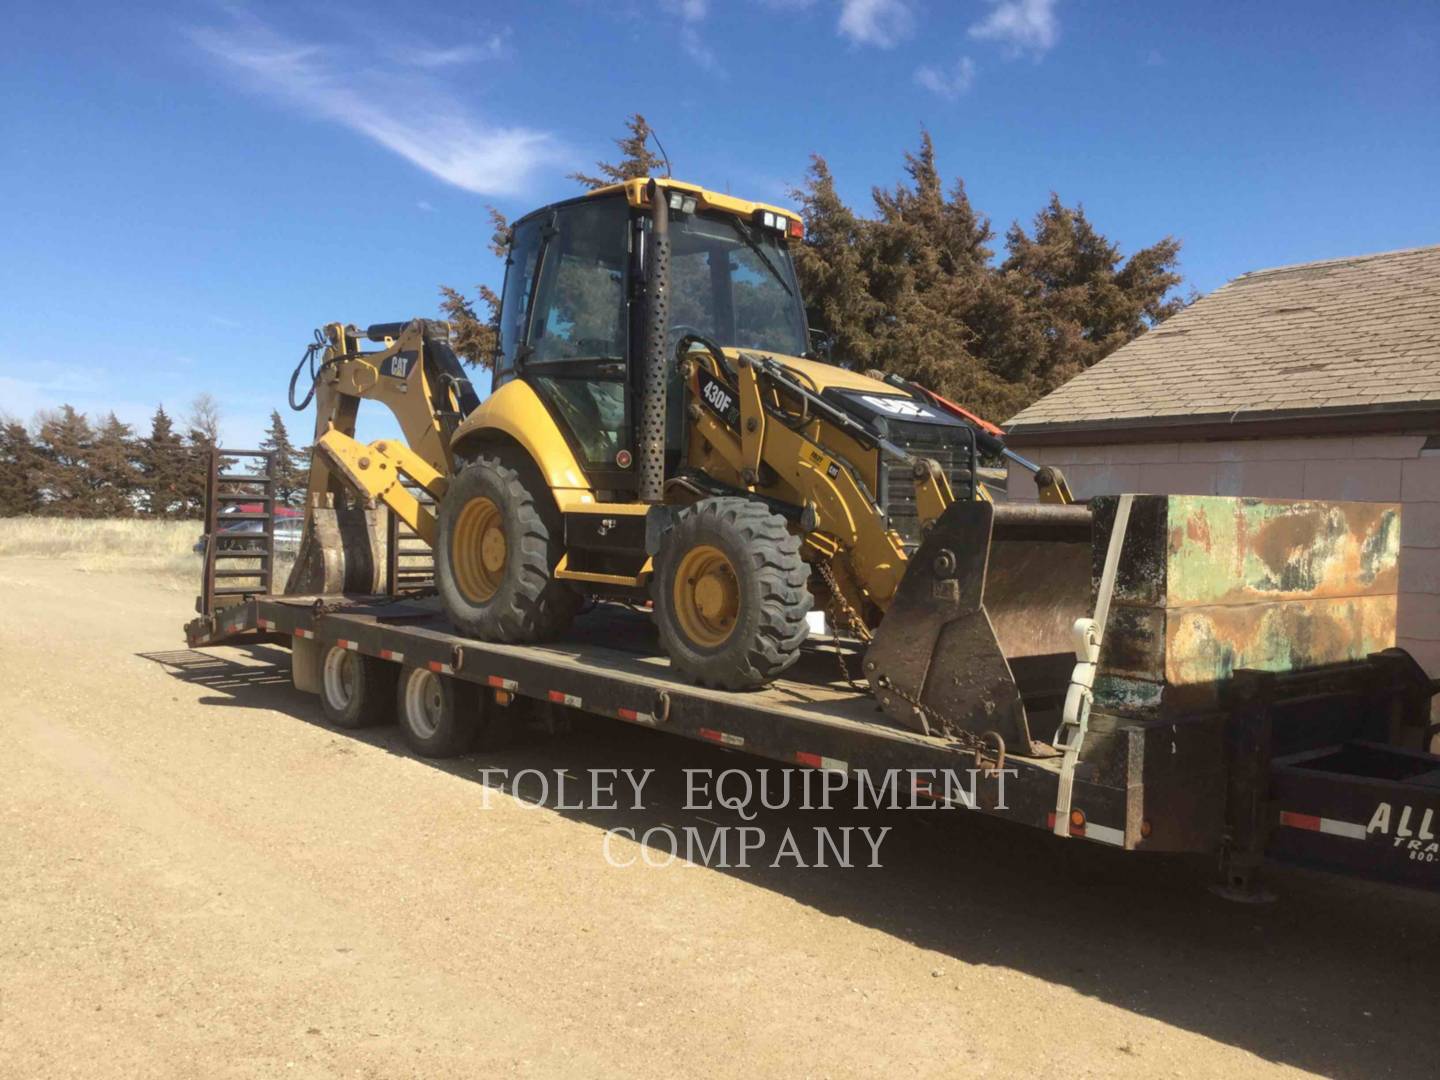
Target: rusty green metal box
x=1209 y=584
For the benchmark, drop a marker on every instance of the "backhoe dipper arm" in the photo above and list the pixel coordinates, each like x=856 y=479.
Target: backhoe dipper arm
x=417 y=377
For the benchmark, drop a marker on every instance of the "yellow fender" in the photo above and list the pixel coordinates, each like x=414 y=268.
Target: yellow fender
x=517 y=411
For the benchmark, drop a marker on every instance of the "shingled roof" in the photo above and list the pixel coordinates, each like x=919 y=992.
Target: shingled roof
x=1345 y=344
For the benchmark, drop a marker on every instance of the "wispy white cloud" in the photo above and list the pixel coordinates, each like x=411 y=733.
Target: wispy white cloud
x=691 y=14
x=422 y=55
x=949 y=84
x=423 y=205
x=689 y=10
x=1021 y=26
x=881 y=23
x=417 y=115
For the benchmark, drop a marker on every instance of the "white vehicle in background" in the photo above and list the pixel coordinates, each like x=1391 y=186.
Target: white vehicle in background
x=247 y=532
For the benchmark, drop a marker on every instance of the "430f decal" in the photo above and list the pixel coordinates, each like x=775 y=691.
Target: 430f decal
x=718 y=398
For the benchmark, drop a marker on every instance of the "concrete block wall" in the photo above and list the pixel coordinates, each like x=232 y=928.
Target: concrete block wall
x=1364 y=468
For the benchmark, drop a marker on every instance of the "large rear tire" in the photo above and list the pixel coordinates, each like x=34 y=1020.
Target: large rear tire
x=730 y=594
x=495 y=557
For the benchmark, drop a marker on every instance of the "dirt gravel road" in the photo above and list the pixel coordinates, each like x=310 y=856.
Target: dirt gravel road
x=198 y=878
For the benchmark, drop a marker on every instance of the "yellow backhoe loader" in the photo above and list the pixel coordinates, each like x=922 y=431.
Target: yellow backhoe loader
x=661 y=428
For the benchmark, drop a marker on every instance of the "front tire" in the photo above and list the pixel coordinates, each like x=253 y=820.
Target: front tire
x=730 y=594
x=495 y=557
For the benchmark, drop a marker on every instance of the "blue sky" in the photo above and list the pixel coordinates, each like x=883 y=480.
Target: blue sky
x=189 y=189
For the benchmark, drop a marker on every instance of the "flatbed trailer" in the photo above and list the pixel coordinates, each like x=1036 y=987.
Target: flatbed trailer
x=1327 y=767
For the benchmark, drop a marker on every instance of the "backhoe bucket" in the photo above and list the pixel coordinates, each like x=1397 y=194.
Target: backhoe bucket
x=978 y=637
x=342 y=551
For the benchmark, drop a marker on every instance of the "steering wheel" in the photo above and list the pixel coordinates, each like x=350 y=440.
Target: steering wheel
x=677 y=331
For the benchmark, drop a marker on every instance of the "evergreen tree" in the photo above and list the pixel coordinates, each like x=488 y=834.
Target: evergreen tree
x=1082 y=304
x=64 y=442
x=831 y=267
x=162 y=466
x=636 y=158
x=113 y=470
x=19 y=464
x=289 y=474
x=476 y=340
x=915 y=290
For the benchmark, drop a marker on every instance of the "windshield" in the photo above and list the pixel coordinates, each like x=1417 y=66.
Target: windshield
x=733 y=284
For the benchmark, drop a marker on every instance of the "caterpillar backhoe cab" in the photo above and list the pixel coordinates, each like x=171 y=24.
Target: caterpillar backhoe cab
x=660 y=428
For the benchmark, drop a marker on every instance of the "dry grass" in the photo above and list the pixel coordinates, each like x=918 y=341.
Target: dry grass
x=162 y=549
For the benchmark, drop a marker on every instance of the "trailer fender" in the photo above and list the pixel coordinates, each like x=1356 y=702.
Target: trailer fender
x=305 y=664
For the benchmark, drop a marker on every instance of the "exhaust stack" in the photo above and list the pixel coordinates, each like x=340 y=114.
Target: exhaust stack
x=651 y=436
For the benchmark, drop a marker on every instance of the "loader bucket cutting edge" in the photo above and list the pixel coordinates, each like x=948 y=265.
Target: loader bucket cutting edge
x=980 y=631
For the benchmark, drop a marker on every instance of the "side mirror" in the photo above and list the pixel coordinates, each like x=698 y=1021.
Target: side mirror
x=822 y=345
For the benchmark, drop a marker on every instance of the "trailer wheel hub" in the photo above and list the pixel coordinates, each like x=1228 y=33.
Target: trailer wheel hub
x=479 y=550
x=707 y=596
x=340 y=675
x=424 y=703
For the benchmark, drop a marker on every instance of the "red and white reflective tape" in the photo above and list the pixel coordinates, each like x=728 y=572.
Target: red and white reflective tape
x=308 y=635
x=564 y=699
x=265 y=624
x=439 y=668
x=502 y=684
x=343 y=643
x=391 y=654
x=636 y=716
x=724 y=738
x=1092 y=831
x=820 y=761
x=1329 y=826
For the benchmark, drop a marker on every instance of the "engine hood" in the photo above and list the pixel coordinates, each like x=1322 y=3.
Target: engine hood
x=882 y=407
x=822 y=376
x=867 y=399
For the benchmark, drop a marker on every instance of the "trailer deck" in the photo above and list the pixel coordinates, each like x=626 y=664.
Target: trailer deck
x=1302 y=767
x=608 y=665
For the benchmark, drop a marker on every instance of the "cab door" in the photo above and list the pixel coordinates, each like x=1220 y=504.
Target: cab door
x=577 y=334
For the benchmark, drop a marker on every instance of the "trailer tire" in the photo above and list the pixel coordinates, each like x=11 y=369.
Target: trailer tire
x=439 y=716
x=355 y=691
x=730 y=594
x=500 y=585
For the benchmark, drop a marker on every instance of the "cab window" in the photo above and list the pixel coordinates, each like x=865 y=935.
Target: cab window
x=515 y=298
x=580 y=301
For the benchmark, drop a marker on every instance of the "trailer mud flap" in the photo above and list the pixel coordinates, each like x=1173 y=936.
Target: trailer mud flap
x=982 y=616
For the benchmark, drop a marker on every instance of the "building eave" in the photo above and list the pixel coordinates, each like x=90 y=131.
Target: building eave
x=1393 y=418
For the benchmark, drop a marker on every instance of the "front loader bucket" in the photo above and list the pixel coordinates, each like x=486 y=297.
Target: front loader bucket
x=979 y=634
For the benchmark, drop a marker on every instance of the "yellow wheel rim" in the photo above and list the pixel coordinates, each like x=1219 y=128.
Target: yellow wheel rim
x=707 y=596
x=478 y=551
